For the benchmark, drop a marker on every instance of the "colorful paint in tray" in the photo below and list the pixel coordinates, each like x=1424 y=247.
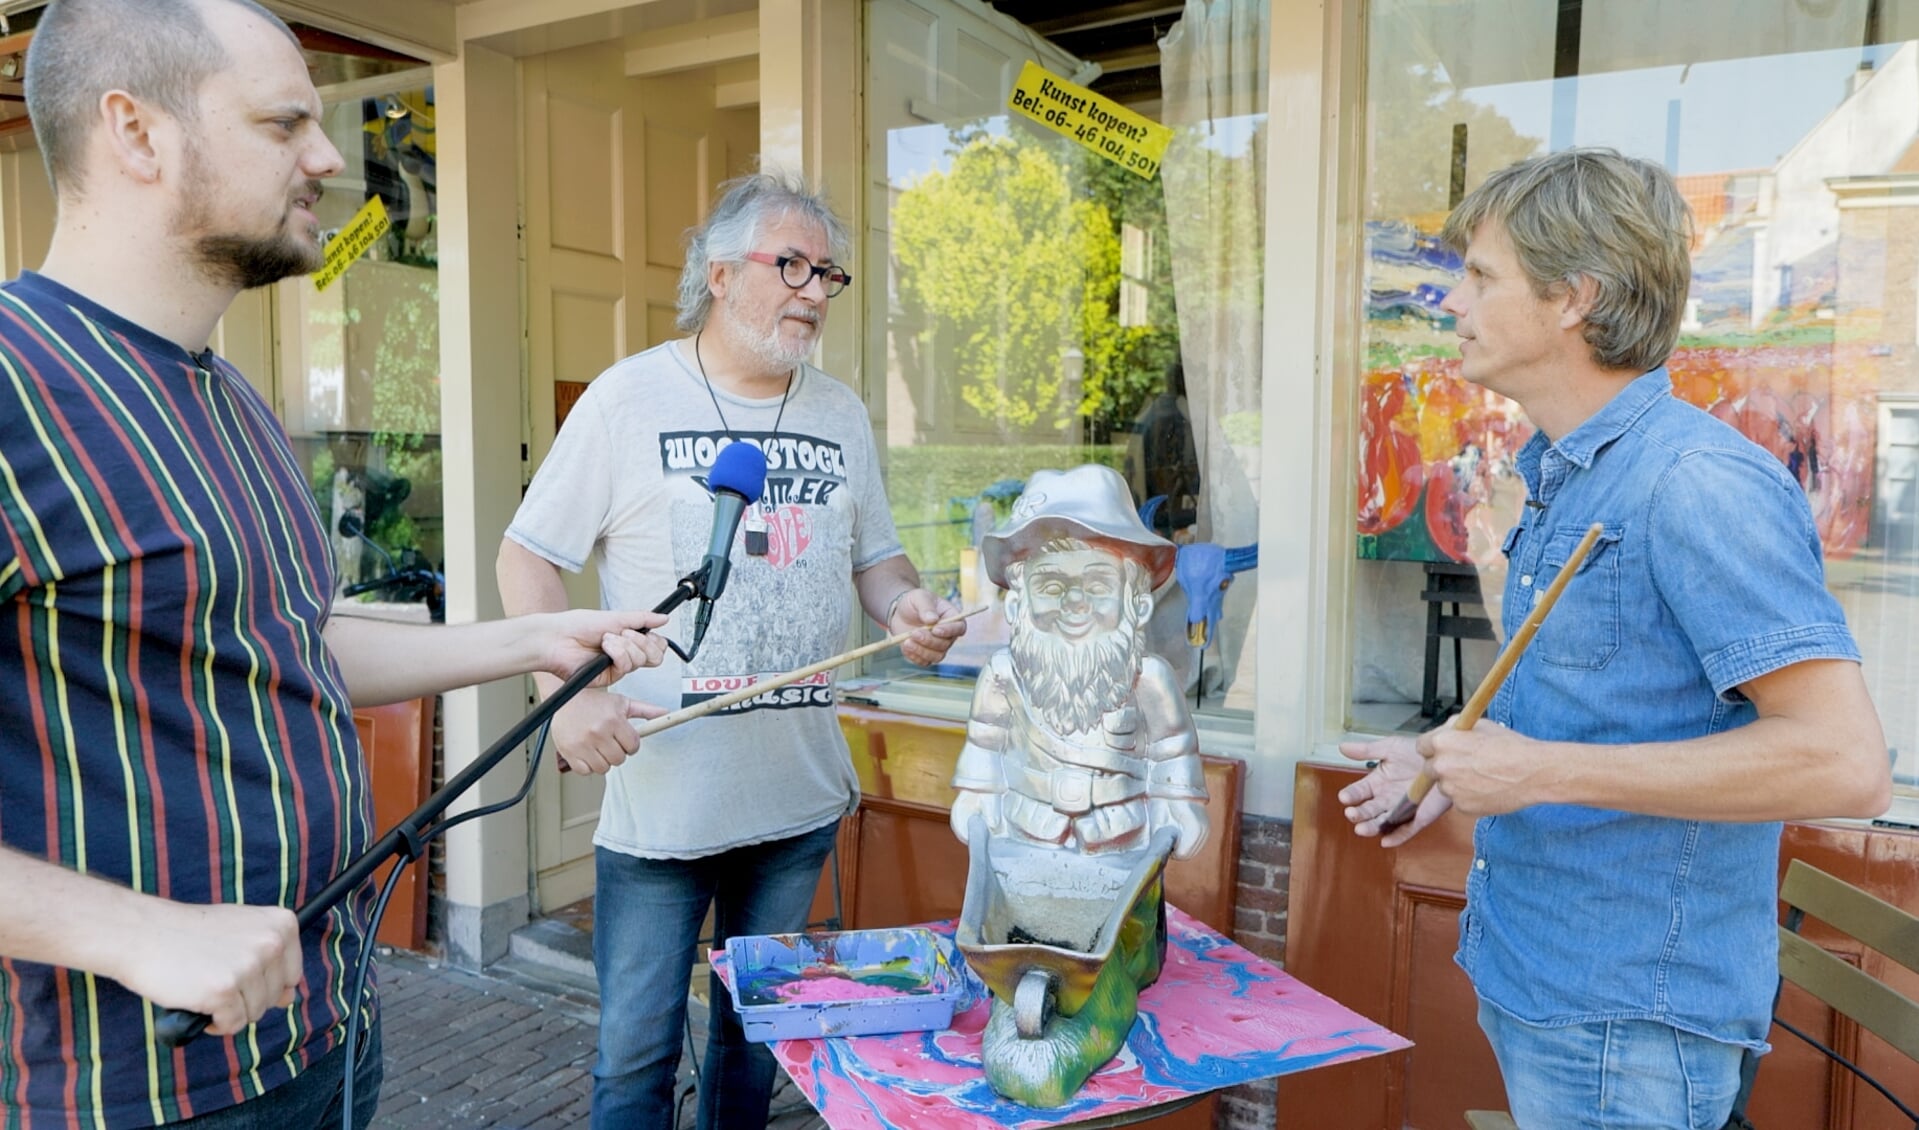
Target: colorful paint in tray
x=842 y=983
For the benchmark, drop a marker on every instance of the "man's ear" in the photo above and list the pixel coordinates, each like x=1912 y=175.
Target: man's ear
x=1577 y=301
x=132 y=132
x=1012 y=609
x=717 y=279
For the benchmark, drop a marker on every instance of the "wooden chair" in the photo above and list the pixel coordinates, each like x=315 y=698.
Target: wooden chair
x=1850 y=990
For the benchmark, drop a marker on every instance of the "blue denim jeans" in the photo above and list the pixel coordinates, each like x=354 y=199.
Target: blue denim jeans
x=1612 y=1075
x=310 y=1100
x=646 y=929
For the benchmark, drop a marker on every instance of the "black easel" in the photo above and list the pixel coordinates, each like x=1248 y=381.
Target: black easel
x=1451 y=583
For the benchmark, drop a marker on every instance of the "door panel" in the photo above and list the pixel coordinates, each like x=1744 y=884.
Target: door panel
x=577 y=132
x=616 y=170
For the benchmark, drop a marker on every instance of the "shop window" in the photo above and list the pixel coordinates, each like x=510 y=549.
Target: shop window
x=361 y=357
x=1036 y=304
x=1793 y=129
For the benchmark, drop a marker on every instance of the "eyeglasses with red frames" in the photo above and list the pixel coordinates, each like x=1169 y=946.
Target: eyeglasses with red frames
x=796 y=271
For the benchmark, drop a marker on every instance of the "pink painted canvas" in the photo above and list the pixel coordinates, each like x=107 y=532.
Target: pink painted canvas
x=1217 y=1017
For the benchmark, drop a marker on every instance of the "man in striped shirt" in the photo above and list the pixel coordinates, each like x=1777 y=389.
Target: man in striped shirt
x=178 y=762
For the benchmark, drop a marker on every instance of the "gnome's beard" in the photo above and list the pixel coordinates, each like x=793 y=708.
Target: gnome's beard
x=1071 y=683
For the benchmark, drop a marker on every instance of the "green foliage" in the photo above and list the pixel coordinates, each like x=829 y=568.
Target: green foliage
x=1384 y=354
x=1126 y=365
x=1776 y=330
x=1011 y=262
x=320 y=481
x=934 y=487
x=406 y=398
x=1242 y=429
x=999 y=252
x=1415 y=108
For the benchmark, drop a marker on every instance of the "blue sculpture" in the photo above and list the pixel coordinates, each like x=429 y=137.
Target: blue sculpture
x=1205 y=571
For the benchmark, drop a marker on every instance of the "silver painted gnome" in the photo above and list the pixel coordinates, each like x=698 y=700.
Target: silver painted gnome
x=1079 y=777
x=1079 y=737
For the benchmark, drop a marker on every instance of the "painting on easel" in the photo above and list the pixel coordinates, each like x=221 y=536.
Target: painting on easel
x=1436 y=475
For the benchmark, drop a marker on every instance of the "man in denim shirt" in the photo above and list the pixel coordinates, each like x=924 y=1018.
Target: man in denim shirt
x=1695 y=686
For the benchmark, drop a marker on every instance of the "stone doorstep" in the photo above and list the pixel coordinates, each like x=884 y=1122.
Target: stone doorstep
x=555 y=951
x=556 y=957
x=552 y=946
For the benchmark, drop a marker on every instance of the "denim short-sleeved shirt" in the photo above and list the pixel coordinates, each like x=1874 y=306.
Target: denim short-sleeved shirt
x=1708 y=574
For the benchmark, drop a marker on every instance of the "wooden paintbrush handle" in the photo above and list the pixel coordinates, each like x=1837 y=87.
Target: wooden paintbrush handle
x=1502 y=666
x=734 y=698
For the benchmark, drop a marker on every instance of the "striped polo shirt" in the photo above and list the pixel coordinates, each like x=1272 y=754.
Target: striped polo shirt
x=170 y=718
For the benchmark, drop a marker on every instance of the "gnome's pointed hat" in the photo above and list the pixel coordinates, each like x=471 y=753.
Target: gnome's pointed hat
x=1089 y=502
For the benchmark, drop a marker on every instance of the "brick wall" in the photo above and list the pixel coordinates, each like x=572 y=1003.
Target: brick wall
x=1265 y=867
x=435 y=862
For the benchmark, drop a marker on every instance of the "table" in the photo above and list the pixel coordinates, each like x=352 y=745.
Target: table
x=1218 y=1016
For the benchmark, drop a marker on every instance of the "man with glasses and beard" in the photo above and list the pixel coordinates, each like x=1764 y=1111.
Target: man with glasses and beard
x=1078 y=736
x=178 y=759
x=736 y=810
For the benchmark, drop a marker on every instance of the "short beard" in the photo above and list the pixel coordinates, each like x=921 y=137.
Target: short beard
x=1073 y=683
x=243 y=261
x=768 y=348
x=233 y=260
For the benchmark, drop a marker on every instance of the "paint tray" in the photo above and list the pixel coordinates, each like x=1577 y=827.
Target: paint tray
x=842 y=983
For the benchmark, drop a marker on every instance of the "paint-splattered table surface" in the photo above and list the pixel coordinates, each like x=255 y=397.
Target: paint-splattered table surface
x=1217 y=1017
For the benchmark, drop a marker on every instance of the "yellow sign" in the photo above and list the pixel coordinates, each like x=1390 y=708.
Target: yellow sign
x=1095 y=121
x=344 y=249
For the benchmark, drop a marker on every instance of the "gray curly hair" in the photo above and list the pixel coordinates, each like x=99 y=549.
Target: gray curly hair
x=1591 y=213
x=746 y=206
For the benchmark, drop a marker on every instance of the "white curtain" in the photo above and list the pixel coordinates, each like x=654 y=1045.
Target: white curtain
x=1213 y=75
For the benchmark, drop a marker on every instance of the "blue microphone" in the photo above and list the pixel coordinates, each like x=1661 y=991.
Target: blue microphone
x=737 y=478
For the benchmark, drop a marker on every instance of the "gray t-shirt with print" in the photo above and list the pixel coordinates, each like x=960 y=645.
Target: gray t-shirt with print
x=625 y=486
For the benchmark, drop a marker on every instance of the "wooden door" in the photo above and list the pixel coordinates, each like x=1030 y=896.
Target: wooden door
x=616 y=169
x=577 y=136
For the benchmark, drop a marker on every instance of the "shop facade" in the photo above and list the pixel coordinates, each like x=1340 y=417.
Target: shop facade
x=1252 y=336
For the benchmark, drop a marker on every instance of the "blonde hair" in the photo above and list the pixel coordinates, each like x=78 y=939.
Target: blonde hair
x=1595 y=214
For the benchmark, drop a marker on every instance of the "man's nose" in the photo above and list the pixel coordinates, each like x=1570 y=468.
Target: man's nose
x=1075 y=597
x=324 y=160
x=1451 y=303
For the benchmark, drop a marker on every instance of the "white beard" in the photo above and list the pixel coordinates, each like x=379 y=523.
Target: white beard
x=1071 y=684
x=769 y=348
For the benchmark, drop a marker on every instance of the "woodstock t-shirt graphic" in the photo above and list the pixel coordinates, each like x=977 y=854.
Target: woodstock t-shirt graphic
x=781 y=609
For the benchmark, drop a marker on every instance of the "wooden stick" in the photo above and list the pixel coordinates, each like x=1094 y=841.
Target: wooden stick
x=734 y=698
x=1502 y=666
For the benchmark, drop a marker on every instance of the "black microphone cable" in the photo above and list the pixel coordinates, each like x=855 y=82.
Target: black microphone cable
x=416 y=849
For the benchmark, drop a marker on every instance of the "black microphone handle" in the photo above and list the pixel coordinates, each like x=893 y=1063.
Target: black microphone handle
x=728 y=507
x=174 y=1026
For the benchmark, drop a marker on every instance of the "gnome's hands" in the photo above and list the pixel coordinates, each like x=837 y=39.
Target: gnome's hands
x=1189 y=818
x=967 y=804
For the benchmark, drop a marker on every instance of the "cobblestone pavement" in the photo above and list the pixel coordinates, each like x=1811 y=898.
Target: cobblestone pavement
x=508 y=1050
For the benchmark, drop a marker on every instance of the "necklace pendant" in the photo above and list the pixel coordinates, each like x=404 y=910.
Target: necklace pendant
x=754 y=523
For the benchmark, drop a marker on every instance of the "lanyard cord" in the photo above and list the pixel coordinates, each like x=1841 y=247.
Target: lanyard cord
x=791 y=380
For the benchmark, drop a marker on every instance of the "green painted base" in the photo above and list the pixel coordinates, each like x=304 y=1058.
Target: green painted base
x=1048 y=1071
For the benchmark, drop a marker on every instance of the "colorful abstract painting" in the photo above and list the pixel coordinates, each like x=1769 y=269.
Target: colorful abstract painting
x=1436 y=472
x=1218 y=1017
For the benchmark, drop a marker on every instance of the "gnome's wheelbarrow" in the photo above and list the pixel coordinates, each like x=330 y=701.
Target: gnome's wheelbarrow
x=1040 y=925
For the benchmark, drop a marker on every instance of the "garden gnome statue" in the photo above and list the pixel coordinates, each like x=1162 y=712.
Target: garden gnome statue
x=1079 y=776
